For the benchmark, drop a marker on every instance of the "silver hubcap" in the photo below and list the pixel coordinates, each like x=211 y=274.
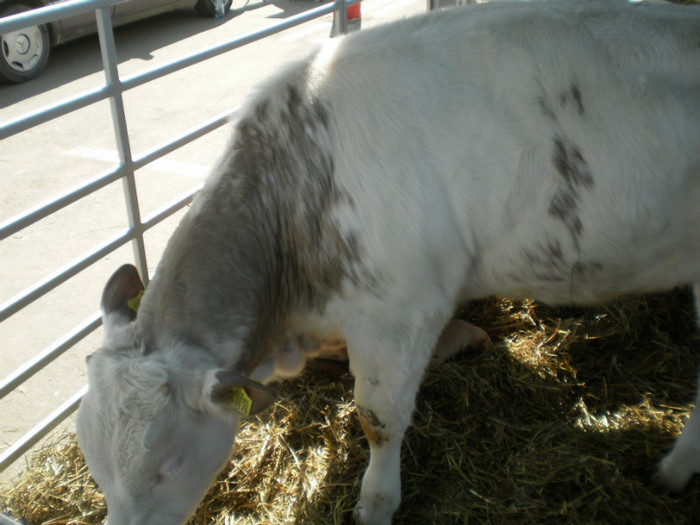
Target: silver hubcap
x=22 y=49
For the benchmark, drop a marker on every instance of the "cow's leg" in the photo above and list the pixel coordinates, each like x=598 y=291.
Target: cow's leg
x=683 y=461
x=387 y=379
x=457 y=336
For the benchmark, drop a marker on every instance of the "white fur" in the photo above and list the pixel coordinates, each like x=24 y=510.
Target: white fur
x=542 y=149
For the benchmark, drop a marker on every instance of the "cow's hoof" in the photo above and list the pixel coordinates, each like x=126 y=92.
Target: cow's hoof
x=361 y=517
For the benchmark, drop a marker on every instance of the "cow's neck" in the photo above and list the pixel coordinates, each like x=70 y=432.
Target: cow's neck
x=261 y=241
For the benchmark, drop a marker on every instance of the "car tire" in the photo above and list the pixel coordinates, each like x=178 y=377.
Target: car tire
x=208 y=8
x=25 y=52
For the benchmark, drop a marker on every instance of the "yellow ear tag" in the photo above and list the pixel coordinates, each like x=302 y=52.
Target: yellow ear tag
x=135 y=302
x=239 y=400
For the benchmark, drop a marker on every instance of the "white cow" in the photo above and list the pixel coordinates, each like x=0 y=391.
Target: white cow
x=545 y=149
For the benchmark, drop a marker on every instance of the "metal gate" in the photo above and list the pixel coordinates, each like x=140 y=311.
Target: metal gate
x=112 y=91
x=441 y=4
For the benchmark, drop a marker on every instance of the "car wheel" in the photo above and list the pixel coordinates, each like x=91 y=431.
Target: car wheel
x=213 y=8
x=23 y=53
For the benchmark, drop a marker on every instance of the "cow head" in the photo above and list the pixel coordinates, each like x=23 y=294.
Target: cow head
x=157 y=424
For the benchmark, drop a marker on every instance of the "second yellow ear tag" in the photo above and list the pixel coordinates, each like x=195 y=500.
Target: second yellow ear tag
x=239 y=400
x=135 y=302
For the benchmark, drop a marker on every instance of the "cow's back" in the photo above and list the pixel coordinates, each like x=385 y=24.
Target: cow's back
x=553 y=155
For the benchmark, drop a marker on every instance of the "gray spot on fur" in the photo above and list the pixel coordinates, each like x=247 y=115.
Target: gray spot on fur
x=564 y=207
x=286 y=167
x=553 y=249
x=261 y=243
x=545 y=108
x=571 y=165
x=576 y=176
x=581 y=272
x=573 y=94
x=576 y=94
x=548 y=262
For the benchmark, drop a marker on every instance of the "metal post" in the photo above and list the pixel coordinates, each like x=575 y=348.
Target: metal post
x=109 y=61
x=341 y=17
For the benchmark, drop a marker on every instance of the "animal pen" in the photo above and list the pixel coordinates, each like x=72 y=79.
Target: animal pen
x=561 y=420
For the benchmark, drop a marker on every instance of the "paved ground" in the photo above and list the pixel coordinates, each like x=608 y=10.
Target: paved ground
x=46 y=160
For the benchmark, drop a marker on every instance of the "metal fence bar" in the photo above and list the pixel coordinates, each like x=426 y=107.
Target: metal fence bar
x=171 y=208
x=113 y=90
x=171 y=67
x=189 y=136
x=32 y=215
x=41 y=429
x=33 y=366
x=44 y=286
x=52 y=111
x=51 y=13
x=35 y=292
x=121 y=133
x=57 y=203
x=46 y=15
x=24 y=122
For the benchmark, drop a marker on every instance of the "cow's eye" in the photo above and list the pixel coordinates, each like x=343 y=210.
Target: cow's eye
x=169 y=470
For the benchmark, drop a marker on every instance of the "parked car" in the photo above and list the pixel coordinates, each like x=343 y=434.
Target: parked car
x=24 y=53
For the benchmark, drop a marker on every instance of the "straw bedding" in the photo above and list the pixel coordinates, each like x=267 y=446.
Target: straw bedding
x=562 y=421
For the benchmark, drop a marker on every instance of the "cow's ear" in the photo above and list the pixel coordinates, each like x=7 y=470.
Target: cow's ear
x=122 y=294
x=235 y=393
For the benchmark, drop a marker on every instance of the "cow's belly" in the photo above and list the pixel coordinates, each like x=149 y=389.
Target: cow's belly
x=556 y=279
